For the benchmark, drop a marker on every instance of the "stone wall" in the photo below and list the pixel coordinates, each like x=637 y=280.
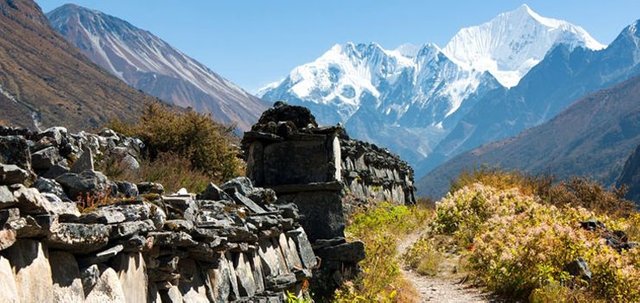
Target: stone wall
x=326 y=175
x=373 y=173
x=134 y=242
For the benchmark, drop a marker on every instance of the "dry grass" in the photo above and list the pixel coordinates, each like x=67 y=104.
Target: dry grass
x=172 y=171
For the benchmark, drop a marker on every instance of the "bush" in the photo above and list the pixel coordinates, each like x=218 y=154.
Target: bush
x=209 y=147
x=502 y=180
x=519 y=246
x=575 y=192
x=172 y=171
x=424 y=257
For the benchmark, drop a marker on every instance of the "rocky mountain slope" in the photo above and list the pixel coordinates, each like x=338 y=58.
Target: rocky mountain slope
x=593 y=137
x=410 y=98
x=630 y=176
x=152 y=65
x=46 y=81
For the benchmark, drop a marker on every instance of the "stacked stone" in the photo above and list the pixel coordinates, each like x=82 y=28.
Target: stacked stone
x=229 y=243
x=373 y=173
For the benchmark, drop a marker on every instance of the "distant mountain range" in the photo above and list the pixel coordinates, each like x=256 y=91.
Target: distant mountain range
x=46 y=81
x=152 y=65
x=593 y=137
x=423 y=102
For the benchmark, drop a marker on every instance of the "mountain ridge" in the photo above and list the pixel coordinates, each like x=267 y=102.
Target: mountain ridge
x=148 y=63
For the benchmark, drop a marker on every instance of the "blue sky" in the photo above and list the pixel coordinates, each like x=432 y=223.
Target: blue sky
x=253 y=43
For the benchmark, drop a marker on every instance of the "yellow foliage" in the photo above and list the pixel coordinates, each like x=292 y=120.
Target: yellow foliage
x=518 y=245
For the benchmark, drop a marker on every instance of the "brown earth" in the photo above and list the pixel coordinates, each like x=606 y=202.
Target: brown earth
x=42 y=75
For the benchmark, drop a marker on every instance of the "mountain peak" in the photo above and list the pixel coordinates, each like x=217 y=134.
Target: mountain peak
x=510 y=44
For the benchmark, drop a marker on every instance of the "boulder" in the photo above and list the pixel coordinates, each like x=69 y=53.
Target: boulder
x=107 y=289
x=7 y=199
x=129 y=162
x=128 y=229
x=9 y=291
x=79 y=238
x=67 y=283
x=85 y=162
x=88 y=182
x=127 y=189
x=55 y=171
x=352 y=252
x=35 y=226
x=213 y=192
x=45 y=158
x=150 y=188
x=45 y=185
x=12 y=174
x=30 y=201
x=579 y=268
x=15 y=150
x=32 y=271
x=61 y=208
x=56 y=134
x=243 y=185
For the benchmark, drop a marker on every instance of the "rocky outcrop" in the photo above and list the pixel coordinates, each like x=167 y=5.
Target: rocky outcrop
x=231 y=243
x=326 y=175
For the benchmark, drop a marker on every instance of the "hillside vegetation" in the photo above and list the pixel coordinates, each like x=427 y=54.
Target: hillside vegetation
x=46 y=79
x=520 y=237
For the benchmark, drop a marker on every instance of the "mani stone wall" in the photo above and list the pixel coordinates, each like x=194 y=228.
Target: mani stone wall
x=326 y=175
x=133 y=242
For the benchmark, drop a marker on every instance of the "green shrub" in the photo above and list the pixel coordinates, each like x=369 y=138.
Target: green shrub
x=380 y=228
x=424 y=257
x=210 y=147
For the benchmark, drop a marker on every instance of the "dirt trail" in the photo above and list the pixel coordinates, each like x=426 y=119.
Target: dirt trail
x=443 y=288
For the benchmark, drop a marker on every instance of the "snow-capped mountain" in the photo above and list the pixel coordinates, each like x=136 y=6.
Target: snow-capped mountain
x=593 y=136
x=150 y=64
x=410 y=98
x=413 y=91
x=512 y=43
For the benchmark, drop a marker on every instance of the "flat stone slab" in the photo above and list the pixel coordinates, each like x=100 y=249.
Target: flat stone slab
x=79 y=238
